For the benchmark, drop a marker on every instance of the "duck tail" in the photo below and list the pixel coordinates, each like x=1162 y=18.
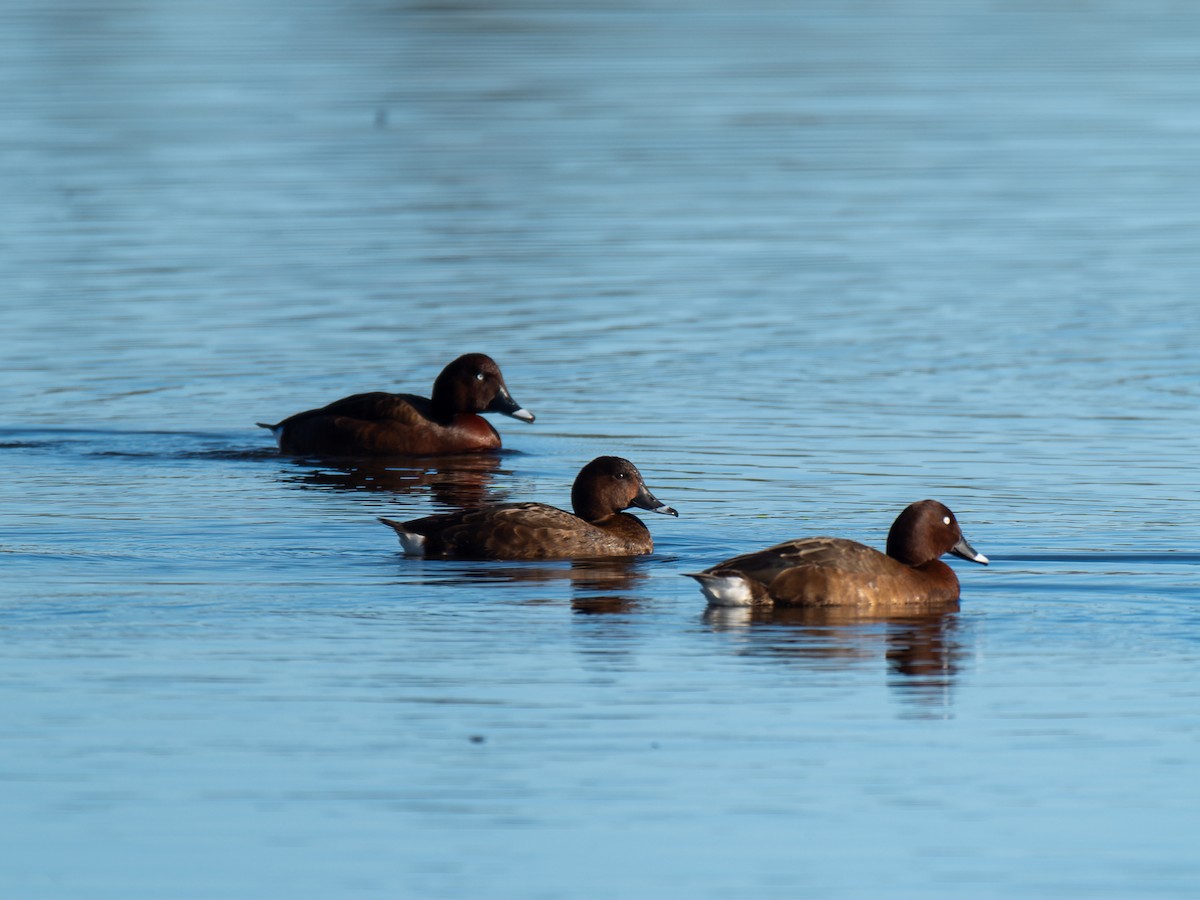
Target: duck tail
x=725 y=588
x=276 y=431
x=412 y=543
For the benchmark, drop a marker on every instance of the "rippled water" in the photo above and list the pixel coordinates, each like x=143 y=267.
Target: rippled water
x=802 y=263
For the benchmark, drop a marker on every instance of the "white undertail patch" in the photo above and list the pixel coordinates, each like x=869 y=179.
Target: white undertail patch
x=725 y=590
x=276 y=432
x=411 y=543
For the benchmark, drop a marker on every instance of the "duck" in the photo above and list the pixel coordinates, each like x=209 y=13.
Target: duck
x=603 y=489
x=827 y=571
x=378 y=423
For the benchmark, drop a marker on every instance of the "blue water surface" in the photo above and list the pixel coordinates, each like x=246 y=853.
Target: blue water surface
x=802 y=263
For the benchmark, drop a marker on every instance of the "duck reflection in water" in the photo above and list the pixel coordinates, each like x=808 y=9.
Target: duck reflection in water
x=463 y=481
x=597 y=585
x=923 y=648
x=605 y=586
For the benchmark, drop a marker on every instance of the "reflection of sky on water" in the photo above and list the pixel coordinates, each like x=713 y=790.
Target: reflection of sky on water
x=801 y=265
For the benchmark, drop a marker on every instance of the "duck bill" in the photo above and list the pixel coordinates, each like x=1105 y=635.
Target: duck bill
x=504 y=403
x=646 y=500
x=963 y=550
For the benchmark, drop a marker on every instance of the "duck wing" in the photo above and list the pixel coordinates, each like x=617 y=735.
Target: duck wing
x=374 y=406
x=507 y=531
x=764 y=566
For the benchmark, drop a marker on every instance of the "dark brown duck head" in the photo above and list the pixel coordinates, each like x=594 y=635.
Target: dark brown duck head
x=473 y=384
x=609 y=484
x=925 y=531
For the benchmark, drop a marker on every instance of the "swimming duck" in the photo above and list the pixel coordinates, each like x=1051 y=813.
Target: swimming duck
x=604 y=487
x=383 y=424
x=824 y=571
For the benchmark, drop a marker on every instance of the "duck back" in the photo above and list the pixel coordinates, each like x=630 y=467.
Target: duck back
x=526 y=531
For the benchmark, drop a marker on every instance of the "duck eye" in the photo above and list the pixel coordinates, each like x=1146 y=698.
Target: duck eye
x=479 y=376
x=946 y=520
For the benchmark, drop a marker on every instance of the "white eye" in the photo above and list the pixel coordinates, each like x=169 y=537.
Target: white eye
x=479 y=376
x=946 y=520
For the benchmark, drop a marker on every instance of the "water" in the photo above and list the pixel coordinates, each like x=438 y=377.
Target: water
x=801 y=264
